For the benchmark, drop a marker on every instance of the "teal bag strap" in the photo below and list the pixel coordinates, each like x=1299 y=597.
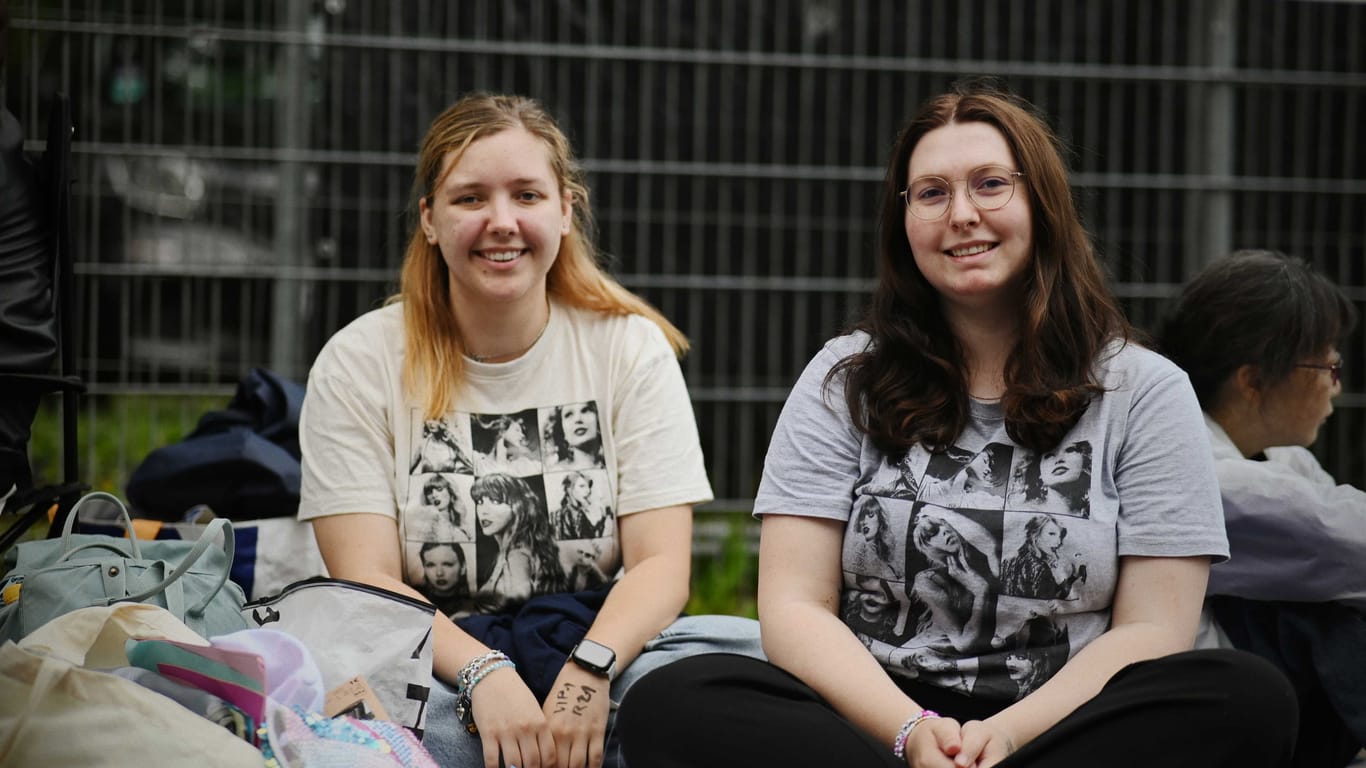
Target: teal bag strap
x=70 y=524
x=216 y=527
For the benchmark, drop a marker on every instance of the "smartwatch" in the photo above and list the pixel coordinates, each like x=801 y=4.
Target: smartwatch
x=596 y=658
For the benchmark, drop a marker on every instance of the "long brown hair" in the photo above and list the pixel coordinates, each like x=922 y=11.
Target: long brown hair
x=433 y=365
x=909 y=385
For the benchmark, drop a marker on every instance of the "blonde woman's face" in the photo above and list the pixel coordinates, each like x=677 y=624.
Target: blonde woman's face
x=498 y=218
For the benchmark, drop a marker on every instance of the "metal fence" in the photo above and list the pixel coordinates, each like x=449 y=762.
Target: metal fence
x=243 y=166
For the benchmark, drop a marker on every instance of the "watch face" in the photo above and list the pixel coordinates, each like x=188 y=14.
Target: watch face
x=595 y=655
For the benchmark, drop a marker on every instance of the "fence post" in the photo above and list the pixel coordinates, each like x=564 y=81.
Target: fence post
x=291 y=131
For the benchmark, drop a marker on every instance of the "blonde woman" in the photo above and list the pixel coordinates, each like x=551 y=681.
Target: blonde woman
x=500 y=284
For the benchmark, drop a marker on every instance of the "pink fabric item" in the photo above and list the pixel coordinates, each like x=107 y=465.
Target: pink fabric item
x=292 y=676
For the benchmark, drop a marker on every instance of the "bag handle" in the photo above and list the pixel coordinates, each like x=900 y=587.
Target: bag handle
x=217 y=526
x=71 y=516
x=214 y=528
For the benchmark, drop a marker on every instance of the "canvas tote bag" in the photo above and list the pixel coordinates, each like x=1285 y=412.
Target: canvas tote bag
x=55 y=709
x=355 y=629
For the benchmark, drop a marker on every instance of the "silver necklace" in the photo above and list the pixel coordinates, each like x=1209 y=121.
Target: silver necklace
x=519 y=353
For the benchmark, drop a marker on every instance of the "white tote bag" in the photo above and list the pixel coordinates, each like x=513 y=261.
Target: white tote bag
x=56 y=709
x=355 y=629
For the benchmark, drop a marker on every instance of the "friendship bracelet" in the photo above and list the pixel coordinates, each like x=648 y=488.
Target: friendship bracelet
x=469 y=676
x=484 y=673
x=899 y=746
x=468 y=671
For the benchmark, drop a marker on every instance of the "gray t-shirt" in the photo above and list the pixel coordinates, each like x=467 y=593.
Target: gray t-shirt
x=985 y=567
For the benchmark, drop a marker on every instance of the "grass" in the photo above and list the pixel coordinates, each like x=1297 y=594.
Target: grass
x=116 y=432
x=725 y=583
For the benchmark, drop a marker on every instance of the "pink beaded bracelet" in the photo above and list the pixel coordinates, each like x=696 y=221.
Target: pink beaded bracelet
x=899 y=746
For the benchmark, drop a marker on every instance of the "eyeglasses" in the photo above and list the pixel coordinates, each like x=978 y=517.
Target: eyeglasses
x=1334 y=369
x=990 y=188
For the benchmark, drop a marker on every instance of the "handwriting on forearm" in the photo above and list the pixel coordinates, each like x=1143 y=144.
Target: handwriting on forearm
x=566 y=700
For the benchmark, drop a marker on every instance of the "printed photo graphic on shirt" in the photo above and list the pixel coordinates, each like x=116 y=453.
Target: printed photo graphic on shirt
x=898 y=478
x=952 y=567
x=515 y=548
x=443 y=447
x=875 y=538
x=438 y=508
x=1034 y=643
x=506 y=442
x=446 y=574
x=936 y=667
x=572 y=437
x=876 y=610
x=1040 y=562
x=578 y=504
x=967 y=479
x=1056 y=481
x=1016 y=673
x=582 y=564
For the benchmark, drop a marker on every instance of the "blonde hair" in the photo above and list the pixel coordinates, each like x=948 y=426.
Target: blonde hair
x=433 y=365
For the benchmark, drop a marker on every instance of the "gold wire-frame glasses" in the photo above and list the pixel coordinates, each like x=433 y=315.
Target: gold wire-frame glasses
x=989 y=187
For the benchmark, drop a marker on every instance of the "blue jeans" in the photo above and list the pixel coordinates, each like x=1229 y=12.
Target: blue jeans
x=453 y=747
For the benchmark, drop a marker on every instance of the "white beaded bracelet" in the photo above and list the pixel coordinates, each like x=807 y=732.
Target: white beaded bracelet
x=899 y=746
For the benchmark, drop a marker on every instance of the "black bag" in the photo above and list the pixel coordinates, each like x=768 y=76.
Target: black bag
x=243 y=462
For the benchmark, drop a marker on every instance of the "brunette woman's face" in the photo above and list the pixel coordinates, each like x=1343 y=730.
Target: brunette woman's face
x=494 y=517
x=441 y=568
x=973 y=258
x=580 y=423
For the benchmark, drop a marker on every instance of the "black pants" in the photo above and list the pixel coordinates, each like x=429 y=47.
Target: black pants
x=1202 y=709
x=1319 y=647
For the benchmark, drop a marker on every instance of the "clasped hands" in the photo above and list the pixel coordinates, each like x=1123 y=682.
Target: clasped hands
x=945 y=743
x=567 y=732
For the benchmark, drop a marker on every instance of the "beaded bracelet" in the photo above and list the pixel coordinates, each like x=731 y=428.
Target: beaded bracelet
x=899 y=746
x=468 y=671
x=469 y=689
x=468 y=677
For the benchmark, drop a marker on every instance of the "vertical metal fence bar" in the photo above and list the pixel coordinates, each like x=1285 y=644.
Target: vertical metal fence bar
x=705 y=125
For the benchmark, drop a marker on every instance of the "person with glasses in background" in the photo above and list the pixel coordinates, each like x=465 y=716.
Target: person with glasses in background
x=991 y=325
x=1259 y=334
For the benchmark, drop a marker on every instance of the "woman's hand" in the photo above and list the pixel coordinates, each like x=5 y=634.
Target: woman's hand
x=958 y=568
x=934 y=743
x=510 y=723
x=985 y=743
x=576 y=710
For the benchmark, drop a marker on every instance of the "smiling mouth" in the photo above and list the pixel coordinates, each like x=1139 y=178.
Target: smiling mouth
x=500 y=257
x=971 y=250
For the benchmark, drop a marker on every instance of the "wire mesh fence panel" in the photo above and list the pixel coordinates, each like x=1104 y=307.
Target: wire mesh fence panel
x=244 y=167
